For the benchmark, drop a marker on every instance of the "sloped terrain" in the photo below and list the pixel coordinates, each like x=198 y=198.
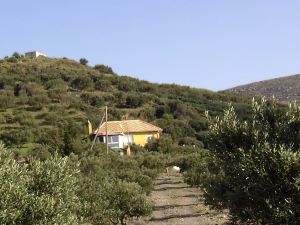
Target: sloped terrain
x=48 y=101
x=284 y=89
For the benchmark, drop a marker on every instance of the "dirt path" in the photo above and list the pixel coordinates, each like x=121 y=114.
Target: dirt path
x=178 y=204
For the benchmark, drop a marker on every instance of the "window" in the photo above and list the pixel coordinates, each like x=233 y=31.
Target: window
x=113 y=145
x=113 y=141
x=149 y=137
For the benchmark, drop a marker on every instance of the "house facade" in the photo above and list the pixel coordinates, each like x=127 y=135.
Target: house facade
x=126 y=132
x=34 y=54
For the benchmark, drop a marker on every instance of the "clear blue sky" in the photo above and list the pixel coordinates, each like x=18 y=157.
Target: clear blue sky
x=211 y=44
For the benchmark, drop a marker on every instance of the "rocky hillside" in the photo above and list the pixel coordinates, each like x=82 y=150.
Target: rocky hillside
x=285 y=89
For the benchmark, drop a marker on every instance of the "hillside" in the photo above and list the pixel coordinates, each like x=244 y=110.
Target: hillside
x=48 y=101
x=284 y=89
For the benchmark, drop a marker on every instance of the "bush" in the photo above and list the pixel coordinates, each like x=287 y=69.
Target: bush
x=92 y=99
x=103 y=69
x=102 y=85
x=6 y=98
x=134 y=100
x=188 y=141
x=113 y=188
x=260 y=160
x=38 y=192
x=38 y=101
x=131 y=201
x=201 y=169
x=126 y=85
x=83 y=61
x=82 y=83
x=24 y=119
x=163 y=144
x=41 y=152
x=15 y=137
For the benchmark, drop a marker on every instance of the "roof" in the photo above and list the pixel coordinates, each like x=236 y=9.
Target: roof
x=126 y=126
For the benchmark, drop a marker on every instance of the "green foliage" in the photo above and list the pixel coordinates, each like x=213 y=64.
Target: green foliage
x=130 y=201
x=46 y=92
x=83 y=61
x=163 y=144
x=256 y=164
x=202 y=169
x=82 y=83
x=134 y=100
x=102 y=85
x=41 y=152
x=46 y=102
x=6 y=98
x=94 y=189
x=15 y=137
x=113 y=188
x=37 y=192
x=103 y=69
x=16 y=55
x=188 y=141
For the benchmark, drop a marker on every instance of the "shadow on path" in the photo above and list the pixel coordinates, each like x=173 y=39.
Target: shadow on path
x=163 y=207
x=176 y=203
x=169 y=182
x=177 y=216
x=170 y=188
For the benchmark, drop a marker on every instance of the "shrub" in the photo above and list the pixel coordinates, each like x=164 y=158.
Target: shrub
x=14 y=137
x=147 y=113
x=163 y=144
x=82 y=83
x=201 y=169
x=92 y=99
x=131 y=201
x=188 y=141
x=38 y=101
x=16 y=55
x=83 y=61
x=134 y=100
x=126 y=85
x=102 y=85
x=260 y=159
x=103 y=69
x=12 y=59
x=25 y=119
x=6 y=98
x=38 y=192
x=41 y=152
x=113 y=188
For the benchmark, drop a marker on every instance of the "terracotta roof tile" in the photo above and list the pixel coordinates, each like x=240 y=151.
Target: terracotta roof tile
x=126 y=126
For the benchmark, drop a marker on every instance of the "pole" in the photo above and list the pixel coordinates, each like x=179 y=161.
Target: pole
x=106 y=130
x=96 y=135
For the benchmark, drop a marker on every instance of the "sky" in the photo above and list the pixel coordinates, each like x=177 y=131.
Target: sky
x=212 y=44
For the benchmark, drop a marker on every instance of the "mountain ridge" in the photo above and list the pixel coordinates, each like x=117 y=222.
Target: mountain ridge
x=284 y=89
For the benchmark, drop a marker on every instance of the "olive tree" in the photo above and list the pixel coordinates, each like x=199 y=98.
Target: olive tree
x=37 y=192
x=260 y=162
x=83 y=61
x=126 y=200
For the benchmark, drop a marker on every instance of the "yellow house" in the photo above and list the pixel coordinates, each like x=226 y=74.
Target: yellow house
x=125 y=132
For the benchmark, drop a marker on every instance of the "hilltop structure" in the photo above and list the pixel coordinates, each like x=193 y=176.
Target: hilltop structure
x=126 y=132
x=34 y=54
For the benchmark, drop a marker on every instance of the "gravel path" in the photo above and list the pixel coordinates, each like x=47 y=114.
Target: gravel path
x=178 y=204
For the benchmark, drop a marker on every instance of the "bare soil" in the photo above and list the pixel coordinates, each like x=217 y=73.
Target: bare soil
x=176 y=203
